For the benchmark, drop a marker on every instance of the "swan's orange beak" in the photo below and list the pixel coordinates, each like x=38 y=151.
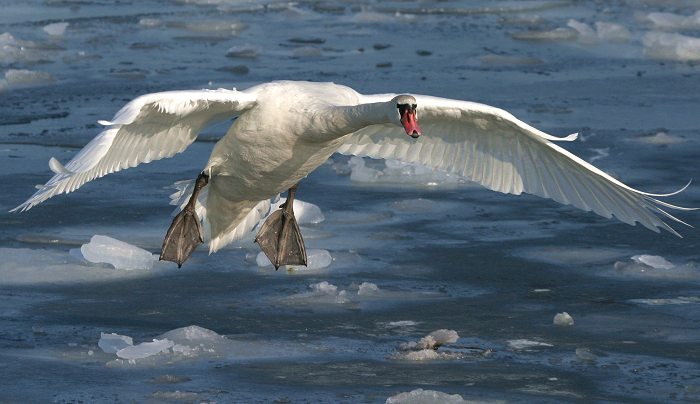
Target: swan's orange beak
x=409 y=121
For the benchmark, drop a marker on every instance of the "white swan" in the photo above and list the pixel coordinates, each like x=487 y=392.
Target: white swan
x=284 y=130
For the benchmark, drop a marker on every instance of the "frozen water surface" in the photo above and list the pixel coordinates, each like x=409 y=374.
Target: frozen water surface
x=413 y=251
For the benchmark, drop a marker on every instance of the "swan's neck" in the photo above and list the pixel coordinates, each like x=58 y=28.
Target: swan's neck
x=348 y=119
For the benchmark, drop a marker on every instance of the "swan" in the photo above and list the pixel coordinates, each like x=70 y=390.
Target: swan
x=285 y=129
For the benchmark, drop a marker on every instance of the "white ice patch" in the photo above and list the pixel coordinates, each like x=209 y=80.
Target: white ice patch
x=121 y=255
x=56 y=29
x=112 y=343
x=24 y=78
x=654 y=261
x=396 y=171
x=420 y=396
x=667 y=301
x=316 y=259
x=526 y=344
x=196 y=343
x=660 y=139
x=13 y=50
x=145 y=349
x=662 y=45
x=426 y=348
x=654 y=266
x=150 y=22
x=673 y=22
x=563 y=320
x=246 y=51
x=305 y=212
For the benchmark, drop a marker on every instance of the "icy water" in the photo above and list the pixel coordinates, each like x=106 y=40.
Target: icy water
x=412 y=251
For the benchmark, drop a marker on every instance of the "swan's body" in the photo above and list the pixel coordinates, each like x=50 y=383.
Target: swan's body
x=285 y=130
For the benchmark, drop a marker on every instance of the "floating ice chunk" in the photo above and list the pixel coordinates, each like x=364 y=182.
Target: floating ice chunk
x=608 y=31
x=660 y=139
x=420 y=396
x=56 y=29
x=150 y=22
x=563 y=319
x=654 y=261
x=23 y=77
x=669 y=301
x=315 y=259
x=215 y=27
x=585 y=33
x=661 y=45
x=526 y=344
x=367 y=289
x=121 y=255
x=421 y=355
x=432 y=341
x=672 y=21
x=243 y=51
x=443 y=336
x=145 y=349
x=558 y=34
x=112 y=343
x=305 y=212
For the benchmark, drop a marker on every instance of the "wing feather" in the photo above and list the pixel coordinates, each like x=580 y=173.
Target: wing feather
x=492 y=147
x=151 y=127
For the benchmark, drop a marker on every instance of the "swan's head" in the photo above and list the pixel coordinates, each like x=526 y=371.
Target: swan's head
x=406 y=106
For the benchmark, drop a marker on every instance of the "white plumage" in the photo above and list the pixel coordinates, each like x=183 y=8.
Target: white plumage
x=286 y=129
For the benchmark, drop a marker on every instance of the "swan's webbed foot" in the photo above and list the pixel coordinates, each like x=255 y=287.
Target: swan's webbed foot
x=185 y=232
x=280 y=238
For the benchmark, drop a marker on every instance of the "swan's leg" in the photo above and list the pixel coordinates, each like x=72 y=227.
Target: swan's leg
x=280 y=238
x=185 y=233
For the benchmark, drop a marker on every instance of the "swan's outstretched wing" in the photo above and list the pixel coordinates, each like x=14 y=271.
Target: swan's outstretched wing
x=151 y=127
x=492 y=147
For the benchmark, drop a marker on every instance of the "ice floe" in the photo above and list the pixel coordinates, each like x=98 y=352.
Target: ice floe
x=193 y=343
x=121 y=255
x=146 y=349
x=563 y=320
x=674 y=22
x=24 y=78
x=426 y=348
x=654 y=261
x=420 y=396
x=654 y=267
x=660 y=139
x=56 y=29
x=112 y=343
x=667 y=301
x=670 y=46
x=526 y=344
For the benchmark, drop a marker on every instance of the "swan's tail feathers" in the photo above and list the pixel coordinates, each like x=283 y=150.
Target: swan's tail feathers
x=253 y=216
